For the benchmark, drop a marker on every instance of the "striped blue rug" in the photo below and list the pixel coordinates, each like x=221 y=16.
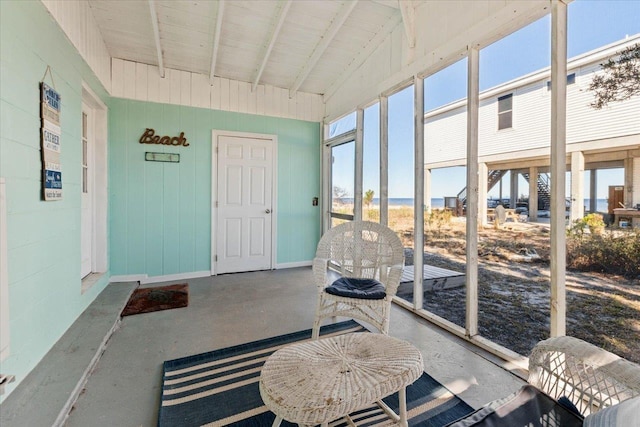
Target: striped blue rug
x=220 y=388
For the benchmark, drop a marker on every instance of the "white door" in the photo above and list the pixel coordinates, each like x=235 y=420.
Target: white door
x=244 y=204
x=86 y=214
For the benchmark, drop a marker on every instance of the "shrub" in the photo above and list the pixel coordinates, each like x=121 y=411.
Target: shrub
x=612 y=252
x=592 y=221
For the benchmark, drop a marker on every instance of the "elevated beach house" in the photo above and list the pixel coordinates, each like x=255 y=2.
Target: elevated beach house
x=514 y=133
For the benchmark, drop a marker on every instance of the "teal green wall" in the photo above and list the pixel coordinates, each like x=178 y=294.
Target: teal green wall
x=161 y=212
x=43 y=237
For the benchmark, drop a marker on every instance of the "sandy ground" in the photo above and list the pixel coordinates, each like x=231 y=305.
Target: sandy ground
x=514 y=290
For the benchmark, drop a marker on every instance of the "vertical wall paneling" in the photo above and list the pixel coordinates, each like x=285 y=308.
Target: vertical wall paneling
x=276 y=107
x=76 y=20
x=142 y=89
x=233 y=95
x=284 y=103
x=292 y=106
x=129 y=78
x=163 y=225
x=215 y=94
x=243 y=93
x=174 y=76
x=43 y=241
x=252 y=101
x=164 y=87
x=268 y=100
x=185 y=88
x=4 y=277
x=260 y=100
x=153 y=83
x=299 y=107
x=200 y=91
x=142 y=82
x=224 y=94
x=532 y=115
x=117 y=77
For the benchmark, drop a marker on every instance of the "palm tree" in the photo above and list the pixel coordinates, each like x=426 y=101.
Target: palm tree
x=368 y=198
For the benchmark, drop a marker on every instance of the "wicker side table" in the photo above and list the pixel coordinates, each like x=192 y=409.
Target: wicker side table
x=319 y=381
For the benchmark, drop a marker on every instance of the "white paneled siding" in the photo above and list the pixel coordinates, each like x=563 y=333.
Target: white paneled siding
x=445 y=136
x=445 y=127
x=77 y=21
x=143 y=82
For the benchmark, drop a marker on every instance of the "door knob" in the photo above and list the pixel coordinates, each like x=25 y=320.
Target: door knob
x=267 y=211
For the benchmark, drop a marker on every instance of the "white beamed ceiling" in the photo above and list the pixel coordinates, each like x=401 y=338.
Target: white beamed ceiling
x=327 y=58
x=187 y=31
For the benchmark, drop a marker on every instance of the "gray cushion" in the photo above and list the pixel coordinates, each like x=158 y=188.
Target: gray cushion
x=357 y=288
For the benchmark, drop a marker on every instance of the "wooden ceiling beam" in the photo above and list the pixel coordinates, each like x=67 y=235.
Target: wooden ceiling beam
x=327 y=37
x=279 y=20
x=156 y=36
x=216 y=40
x=408 y=12
x=363 y=55
x=389 y=3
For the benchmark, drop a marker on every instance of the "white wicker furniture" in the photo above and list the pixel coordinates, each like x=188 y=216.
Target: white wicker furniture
x=358 y=249
x=318 y=381
x=592 y=378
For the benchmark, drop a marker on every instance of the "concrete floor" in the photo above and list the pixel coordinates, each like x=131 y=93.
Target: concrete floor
x=124 y=387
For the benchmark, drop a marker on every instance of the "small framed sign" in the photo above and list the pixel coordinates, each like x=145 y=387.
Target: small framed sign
x=162 y=157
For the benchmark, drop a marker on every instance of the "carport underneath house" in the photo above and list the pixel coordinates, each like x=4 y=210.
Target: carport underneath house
x=154 y=219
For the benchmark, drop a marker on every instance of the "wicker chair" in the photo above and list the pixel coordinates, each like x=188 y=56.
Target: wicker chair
x=357 y=251
x=590 y=377
x=569 y=379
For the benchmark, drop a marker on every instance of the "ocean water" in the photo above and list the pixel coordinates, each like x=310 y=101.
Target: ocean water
x=602 y=205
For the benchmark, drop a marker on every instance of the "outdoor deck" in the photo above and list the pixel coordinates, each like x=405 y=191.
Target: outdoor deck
x=434 y=278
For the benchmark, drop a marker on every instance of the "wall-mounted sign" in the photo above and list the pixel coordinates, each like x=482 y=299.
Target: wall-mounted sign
x=149 y=137
x=162 y=157
x=50 y=104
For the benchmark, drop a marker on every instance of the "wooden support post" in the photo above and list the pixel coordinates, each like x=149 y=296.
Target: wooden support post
x=513 y=189
x=558 y=165
x=473 y=106
x=359 y=157
x=418 y=205
x=593 y=190
x=327 y=185
x=628 y=182
x=427 y=189
x=577 y=186
x=483 y=185
x=533 y=193
x=384 y=160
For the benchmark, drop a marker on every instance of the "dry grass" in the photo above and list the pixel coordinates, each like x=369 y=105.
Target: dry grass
x=514 y=295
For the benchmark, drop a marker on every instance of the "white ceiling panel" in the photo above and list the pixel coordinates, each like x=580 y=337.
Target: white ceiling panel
x=317 y=43
x=187 y=31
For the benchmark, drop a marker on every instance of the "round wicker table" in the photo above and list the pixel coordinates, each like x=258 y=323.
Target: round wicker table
x=315 y=382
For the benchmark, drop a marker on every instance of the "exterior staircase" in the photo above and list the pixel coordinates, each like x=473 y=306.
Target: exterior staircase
x=494 y=176
x=544 y=190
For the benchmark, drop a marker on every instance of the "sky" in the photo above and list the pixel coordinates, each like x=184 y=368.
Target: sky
x=591 y=24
